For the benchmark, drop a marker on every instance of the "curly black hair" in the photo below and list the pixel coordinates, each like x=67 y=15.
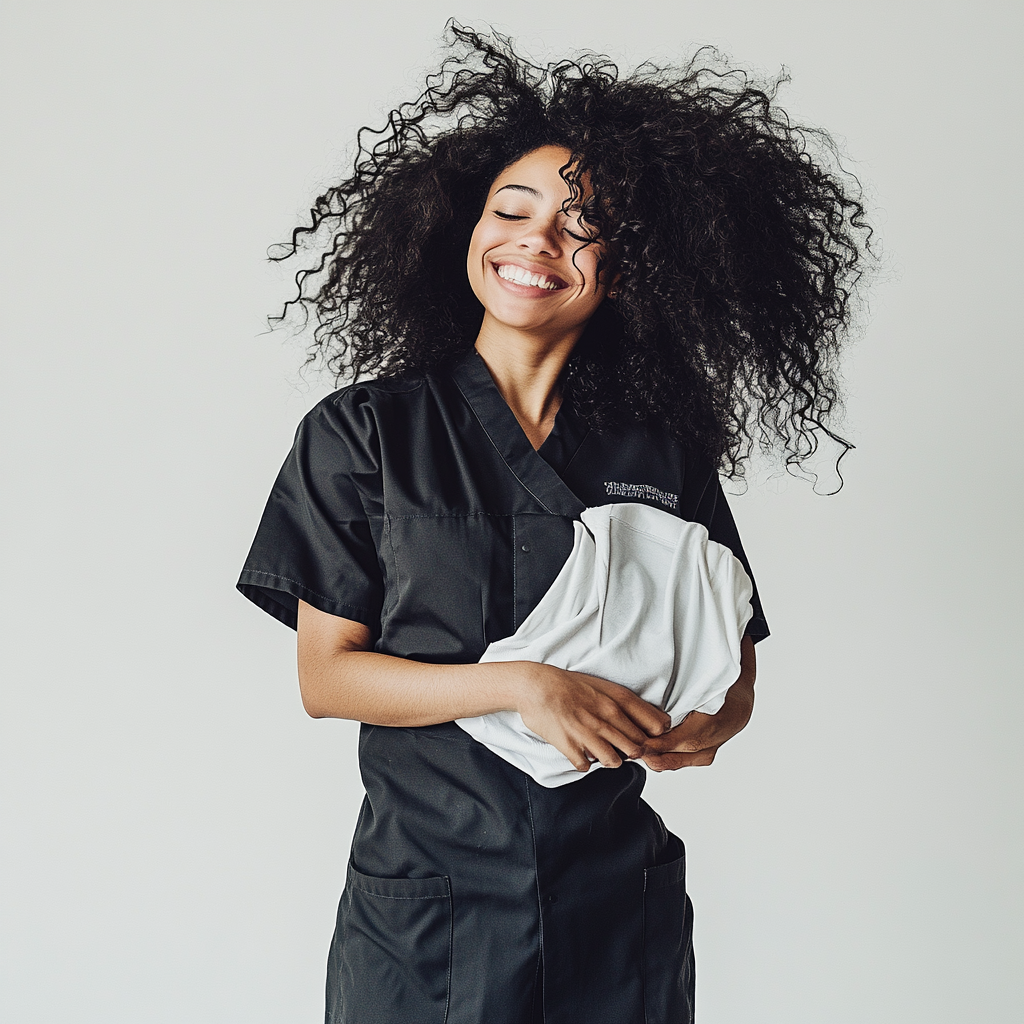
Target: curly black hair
x=738 y=238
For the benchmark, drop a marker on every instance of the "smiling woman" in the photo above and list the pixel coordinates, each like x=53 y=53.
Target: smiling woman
x=736 y=237
x=531 y=262
x=570 y=288
x=538 y=275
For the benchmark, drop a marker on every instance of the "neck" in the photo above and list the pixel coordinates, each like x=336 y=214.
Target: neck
x=527 y=371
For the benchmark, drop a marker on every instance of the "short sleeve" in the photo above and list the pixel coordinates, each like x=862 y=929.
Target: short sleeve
x=315 y=540
x=703 y=501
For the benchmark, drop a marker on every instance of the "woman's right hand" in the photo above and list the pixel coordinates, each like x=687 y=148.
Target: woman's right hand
x=585 y=717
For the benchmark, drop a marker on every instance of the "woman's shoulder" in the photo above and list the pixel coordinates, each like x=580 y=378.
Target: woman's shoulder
x=360 y=414
x=361 y=397
x=376 y=390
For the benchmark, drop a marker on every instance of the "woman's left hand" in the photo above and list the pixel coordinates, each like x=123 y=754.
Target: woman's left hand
x=696 y=739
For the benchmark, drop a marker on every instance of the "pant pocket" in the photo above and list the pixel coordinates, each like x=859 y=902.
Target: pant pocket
x=390 y=960
x=668 y=949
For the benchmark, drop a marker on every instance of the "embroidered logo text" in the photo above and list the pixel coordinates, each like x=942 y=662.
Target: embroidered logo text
x=644 y=491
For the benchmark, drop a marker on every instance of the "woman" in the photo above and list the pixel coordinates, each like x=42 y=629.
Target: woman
x=571 y=288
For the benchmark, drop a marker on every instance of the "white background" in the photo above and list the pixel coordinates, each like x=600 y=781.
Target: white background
x=175 y=829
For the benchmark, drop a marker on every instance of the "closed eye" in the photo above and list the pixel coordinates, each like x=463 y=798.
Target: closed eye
x=501 y=215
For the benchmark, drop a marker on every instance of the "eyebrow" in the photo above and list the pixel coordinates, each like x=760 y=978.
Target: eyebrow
x=521 y=188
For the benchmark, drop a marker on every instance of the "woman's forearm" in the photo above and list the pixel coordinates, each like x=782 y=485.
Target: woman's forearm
x=383 y=690
x=583 y=716
x=339 y=677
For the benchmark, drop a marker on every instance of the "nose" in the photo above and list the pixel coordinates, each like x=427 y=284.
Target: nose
x=541 y=236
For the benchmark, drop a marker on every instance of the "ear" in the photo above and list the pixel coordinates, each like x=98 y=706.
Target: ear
x=613 y=287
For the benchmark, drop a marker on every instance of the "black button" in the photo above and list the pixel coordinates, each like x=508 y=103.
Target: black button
x=550 y=899
x=526 y=548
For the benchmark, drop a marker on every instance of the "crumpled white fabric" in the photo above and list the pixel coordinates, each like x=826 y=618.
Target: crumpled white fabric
x=645 y=599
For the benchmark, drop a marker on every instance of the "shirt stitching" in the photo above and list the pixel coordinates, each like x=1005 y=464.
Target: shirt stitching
x=332 y=601
x=298 y=583
x=388 y=520
x=380 y=896
x=714 y=504
x=515 y=561
x=460 y=515
x=500 y=454
x=451 y=953
x=643 y=948
x=536 y=877
x=575 y=453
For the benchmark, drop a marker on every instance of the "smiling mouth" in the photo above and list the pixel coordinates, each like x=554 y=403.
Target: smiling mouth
x=517 y=275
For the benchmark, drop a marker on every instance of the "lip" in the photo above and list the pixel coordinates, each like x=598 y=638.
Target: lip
x=530 y=268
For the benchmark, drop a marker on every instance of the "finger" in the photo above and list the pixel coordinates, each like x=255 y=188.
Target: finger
x=621 y=731
x=696 y=732
x=673 y=761
x=652 y=720
x=607 y=720
x=605 y=753
x=624 y=737
x=701 y=759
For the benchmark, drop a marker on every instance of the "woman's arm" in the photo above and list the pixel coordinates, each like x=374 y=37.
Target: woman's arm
x=696 y=739
x=581 y=715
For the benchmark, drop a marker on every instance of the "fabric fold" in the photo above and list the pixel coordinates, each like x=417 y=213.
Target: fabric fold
x=644 y=599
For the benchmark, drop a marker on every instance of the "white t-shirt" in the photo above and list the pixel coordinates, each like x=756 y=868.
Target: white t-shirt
x=645 y=599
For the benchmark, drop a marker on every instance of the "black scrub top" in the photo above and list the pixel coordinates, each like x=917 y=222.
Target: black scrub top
x=419 y=507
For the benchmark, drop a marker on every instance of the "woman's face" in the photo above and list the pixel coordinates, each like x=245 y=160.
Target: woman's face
x=530 y=262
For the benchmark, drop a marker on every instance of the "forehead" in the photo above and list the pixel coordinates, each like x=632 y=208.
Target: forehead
x=539 y=170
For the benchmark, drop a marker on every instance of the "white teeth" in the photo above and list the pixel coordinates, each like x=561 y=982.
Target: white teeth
x=510 y=272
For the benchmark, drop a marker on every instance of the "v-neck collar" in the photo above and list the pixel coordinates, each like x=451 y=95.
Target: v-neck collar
x=565 y=438
x=531 y=468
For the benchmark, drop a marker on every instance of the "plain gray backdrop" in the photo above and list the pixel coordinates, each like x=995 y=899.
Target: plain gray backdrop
x=175 y=829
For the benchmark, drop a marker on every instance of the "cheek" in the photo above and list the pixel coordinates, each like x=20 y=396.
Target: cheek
x=479 y=243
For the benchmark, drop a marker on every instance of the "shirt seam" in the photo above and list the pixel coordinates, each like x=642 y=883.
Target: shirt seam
x=463 y=515
x=388 y=520
x=714 y=504
x=515 y=595
x=579 y=448
x=298 y=583
x=501 y=455
x=342 y=606
x=536 y=879
x=380 y=896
